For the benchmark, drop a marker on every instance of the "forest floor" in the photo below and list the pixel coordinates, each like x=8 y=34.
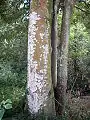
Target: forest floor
x=79 y=107
x=83 y=101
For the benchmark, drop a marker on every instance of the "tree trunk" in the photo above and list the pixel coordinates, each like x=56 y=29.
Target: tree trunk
x=62 y=58
x=40 y=95
x=54 y=44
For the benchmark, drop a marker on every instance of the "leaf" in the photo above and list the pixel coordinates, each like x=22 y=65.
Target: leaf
x=3 y=102
x=8 y=101
x=2 y=111
x=7 y=106
x=0 y=107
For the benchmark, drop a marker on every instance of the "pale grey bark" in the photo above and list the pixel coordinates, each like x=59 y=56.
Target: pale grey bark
x=40 y=95
x=62 y=58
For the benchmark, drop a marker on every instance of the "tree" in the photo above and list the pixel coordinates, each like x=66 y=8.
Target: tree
x=54 y=36
x=62 y=58
x=39 y=84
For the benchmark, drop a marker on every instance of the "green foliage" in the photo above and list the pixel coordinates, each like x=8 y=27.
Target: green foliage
x=79 y=39
x=5 y=105
x=2 y=111
x=13 y=54
x=85 y=13
x=78 y=51
x=13 y=51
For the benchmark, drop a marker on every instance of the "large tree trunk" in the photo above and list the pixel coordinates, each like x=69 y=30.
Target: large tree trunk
x=40 y=94
x=62 y=58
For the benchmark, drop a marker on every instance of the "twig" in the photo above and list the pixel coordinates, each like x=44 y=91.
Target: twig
x=82 y=9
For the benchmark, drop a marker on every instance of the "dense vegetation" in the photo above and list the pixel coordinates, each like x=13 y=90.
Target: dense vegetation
x=13 y=51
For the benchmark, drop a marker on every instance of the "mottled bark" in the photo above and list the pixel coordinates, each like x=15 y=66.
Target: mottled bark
x=40 y=95
x=60 y=5
x=54 y=44
x=62 y=58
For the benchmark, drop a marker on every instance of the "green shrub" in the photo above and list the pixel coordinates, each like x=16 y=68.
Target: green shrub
x=5 y=105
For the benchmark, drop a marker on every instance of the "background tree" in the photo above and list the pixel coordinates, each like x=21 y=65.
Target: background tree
x=62 y=59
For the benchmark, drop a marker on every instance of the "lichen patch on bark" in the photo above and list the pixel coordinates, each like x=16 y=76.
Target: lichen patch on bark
x=39 y=79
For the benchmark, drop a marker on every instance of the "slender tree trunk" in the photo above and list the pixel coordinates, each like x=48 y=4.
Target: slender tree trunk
x=40 y=93
x=62 y=58
x=54 y=44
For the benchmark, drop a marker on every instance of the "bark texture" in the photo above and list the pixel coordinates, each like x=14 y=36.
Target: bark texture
x=60 y=91
x=40 y=93
x=54 y=44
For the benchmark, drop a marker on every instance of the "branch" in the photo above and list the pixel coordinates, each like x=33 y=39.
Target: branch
x=82 y=9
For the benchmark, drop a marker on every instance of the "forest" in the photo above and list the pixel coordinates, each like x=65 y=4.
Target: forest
x=44 y=59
